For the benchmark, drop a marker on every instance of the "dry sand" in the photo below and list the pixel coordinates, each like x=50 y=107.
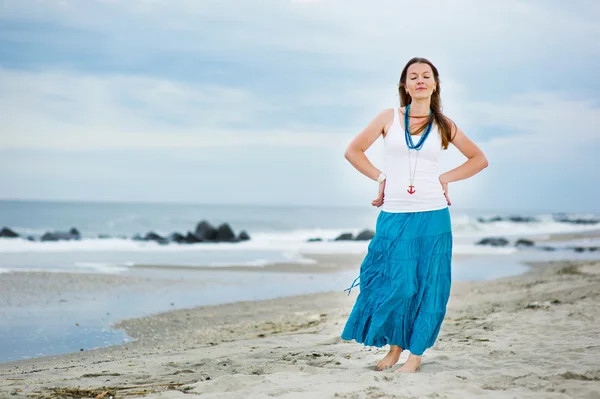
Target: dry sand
x=536 y=335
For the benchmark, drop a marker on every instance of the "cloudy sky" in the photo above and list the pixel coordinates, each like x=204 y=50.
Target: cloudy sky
x=254 y=101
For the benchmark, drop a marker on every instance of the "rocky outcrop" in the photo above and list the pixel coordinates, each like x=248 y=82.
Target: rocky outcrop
x=8 y=233
x=344 y=237
x=514 y=219
x=562 y=218
x=523 y=242
x=72 y=234
x=365 y=235
x=205 y=232
x=243 y=236
x=494 y=241
x=225 y=234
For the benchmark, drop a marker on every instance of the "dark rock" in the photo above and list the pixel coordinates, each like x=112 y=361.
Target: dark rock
x=205 y=231
x=523 y=242
x=178 y=238
x=48 y=236
x=72 y=234
x=152 y=236
x=580 y=221
x=514 y=219
x=365 y=235
x=494 y=219
x=344 y=237
x=75 y=233
x=522 y=219
x=562 y=218
x=316 y=239
x=225 y=233
x=583 y=249
x=192 y=238
x=578 y=249
x=243 y=236
x=8 y=233
x=494 y=241
x=585 y=221
x=137 y=237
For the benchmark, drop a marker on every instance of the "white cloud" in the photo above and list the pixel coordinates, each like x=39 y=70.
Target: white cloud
x=386 y=29
x=341 y=55
x=75 y=111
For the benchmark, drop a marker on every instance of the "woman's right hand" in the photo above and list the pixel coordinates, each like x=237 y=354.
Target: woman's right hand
x=379 y=200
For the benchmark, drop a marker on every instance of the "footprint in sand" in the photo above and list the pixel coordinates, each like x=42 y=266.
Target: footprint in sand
x=369 y=393
x=315 y=359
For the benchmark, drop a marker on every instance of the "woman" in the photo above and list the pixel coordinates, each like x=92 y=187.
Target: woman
x=405 y=277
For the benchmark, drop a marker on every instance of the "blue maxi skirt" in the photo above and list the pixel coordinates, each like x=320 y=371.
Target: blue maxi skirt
x=405 y=282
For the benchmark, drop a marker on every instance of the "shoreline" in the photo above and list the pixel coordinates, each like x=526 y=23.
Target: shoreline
x=592 y=233
x=531 y=335
x=25 y=288
x=316 y=263
x=113 y=299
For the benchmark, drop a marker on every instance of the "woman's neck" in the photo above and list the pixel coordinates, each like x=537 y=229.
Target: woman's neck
x=420 y=107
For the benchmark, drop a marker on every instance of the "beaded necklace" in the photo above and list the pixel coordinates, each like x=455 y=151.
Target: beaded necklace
x=412 y=146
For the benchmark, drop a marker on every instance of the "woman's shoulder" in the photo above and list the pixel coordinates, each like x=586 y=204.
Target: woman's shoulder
x=386 y=119
x=390 y=111
x=387 y=114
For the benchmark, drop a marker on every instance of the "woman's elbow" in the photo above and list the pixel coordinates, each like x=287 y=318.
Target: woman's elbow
x=349 y=152
x=484 y=162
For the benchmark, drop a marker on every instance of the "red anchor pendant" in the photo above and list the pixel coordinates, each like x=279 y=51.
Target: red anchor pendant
x=411 y=189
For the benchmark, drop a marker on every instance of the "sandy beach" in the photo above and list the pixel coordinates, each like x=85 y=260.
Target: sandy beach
x=534 y=335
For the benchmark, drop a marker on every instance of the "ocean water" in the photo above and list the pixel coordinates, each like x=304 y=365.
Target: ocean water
x=278 y=234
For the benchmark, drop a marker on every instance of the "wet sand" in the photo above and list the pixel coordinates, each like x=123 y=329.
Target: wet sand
x=536 y=335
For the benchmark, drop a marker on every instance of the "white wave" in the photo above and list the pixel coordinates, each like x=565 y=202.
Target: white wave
x=271 y=241
x=295 y=257
x=464 y=226
x=27 y=231
x=276 y=257
x=251 y=263
x=305 y=234
x=62 y=270
x=467 y=249
x=467 y=230
x=91 y=244
x=97 y=267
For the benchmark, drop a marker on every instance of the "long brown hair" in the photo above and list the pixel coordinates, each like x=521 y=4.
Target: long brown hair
x=445 y=125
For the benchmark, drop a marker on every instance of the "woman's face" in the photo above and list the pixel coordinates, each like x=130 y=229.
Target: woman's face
x=420 y=82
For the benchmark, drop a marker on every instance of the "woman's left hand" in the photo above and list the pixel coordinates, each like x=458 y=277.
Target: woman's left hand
x=379 y=200
x=445 y=188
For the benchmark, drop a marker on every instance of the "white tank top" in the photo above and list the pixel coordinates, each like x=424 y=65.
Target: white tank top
x=428 y=195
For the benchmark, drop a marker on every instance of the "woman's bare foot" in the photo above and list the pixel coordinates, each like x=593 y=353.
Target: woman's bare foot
x=390 y=359
x=411 y=366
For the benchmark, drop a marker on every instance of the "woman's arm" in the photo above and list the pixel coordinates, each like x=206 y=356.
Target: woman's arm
x=476 y=160
x=355 y=152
